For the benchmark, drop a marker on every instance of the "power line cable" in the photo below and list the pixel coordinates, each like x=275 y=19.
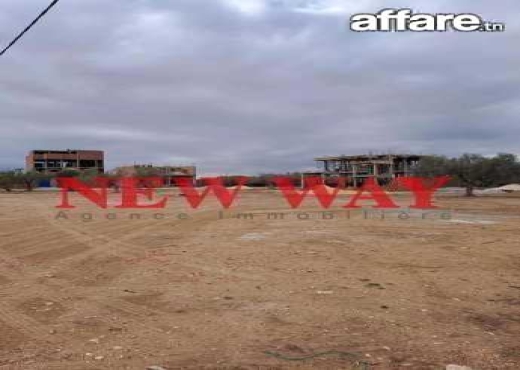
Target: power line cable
x=51 y=5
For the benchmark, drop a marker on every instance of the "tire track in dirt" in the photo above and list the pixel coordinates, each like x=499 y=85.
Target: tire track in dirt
x=13 y=268
x=123 y=248
x=134 y=314
x=139 y=316
x=27 y=325
x=100 y=245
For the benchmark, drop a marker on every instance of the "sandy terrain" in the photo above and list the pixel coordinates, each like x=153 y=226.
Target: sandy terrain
x=212 y=292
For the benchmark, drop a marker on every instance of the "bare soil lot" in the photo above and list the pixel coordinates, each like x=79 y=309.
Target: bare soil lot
x=118 y=292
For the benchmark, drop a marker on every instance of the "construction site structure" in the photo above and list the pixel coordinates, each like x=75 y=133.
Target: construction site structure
x=53 y=161
x=168 y=173
x=353 y=170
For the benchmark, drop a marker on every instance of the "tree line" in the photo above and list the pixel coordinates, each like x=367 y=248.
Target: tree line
x=470 y=171
x=28 y=181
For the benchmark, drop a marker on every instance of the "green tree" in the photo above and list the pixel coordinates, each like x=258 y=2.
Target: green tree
x=31 y=179
x=432 y=166
x=68 y=173
x=506 y=169
x=8 y=181
x=473 y=170
x=89 y=176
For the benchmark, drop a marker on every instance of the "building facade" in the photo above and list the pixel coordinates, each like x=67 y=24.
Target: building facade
x=355 y=169
x=168 y=173
x=53 y=161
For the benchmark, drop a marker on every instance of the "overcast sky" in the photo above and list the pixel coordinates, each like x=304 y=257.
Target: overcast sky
x=249 y=86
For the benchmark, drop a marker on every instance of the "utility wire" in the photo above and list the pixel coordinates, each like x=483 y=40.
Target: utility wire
x=51 y=5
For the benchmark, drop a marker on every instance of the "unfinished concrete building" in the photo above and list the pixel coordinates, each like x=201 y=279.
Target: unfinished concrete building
x=168 y=173
x=355 y=169
x=52 y=161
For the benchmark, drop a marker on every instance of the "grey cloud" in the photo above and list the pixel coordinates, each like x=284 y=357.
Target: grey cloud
x=198 y=81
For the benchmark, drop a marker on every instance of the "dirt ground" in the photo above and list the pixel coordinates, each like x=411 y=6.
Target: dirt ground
x=207 y=290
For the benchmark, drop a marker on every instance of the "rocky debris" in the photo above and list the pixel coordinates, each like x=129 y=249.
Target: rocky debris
x=155 y=368
x=457 y=367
